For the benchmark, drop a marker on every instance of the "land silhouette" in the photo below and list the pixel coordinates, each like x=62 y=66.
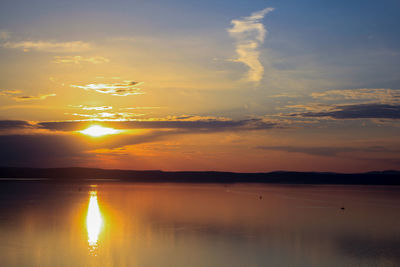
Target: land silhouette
x=77 y=174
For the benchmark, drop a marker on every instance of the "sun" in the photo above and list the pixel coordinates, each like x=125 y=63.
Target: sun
x=97 y=131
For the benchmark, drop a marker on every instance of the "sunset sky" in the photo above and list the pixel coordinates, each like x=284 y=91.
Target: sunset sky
x=201 y=85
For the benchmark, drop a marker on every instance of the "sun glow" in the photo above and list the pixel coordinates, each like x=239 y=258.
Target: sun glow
x=97 y=131
x=94 y=222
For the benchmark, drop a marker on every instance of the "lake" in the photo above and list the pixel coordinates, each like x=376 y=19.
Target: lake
x=129 y=224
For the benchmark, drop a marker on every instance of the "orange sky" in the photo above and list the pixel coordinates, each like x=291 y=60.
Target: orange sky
x=235 y=89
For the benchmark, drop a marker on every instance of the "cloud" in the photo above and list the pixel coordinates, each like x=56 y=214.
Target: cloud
x=57 y=143
x=63 y=149
x=186 y=123
x=249 y=34
x=14 y=124
x=357 y=111
x=182 y=123
x=80 y=59
x=10 y=93
x=97 y=108
x=30 y=97
x=328 y=151
x=92 y=108
x=381 y=95
x=108 y=115
x=117 y=89
x=363 y=103
x=17 y=95
x=139 y=108
x=311 y=107
x=49 y=46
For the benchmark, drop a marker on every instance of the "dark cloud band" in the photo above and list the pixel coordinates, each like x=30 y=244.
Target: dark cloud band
x=210 y=125
x=361 y=111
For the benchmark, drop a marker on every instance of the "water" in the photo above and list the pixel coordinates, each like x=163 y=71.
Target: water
x=126 y=224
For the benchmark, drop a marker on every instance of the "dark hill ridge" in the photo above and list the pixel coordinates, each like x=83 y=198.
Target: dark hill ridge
x=283 y=177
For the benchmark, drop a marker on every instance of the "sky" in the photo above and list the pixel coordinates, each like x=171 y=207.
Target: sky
x=244 y=86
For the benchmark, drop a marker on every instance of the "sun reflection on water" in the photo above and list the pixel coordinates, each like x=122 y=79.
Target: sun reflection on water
x=94 y=222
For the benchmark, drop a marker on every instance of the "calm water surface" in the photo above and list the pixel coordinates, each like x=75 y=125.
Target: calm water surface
x=123 y=224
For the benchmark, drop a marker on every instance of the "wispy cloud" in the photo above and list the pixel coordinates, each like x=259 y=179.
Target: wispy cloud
x=80 y=59
x=249 y=34
x=117 y=116
x=32 y=97
x=310 y=107
x=49 y=46
x=381 y=95
x=139 y=108
x=92 y=107
x=11 y=93
x=97 y=108
x=18 y=95
x=117 y=89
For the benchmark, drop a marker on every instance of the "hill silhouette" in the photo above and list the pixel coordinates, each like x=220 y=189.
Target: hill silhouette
x=77 y=174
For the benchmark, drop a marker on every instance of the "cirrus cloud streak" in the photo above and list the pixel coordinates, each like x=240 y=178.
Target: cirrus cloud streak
x=49 y=46
x=80 y=59
x=117 y=89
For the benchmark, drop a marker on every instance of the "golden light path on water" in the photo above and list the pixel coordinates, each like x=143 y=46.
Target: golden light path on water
x=94 y=222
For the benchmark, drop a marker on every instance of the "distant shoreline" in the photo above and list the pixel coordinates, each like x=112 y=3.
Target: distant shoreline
x=77 y=174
